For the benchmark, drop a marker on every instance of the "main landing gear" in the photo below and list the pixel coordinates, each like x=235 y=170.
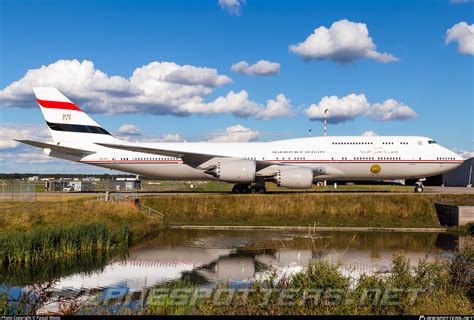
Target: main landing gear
x=245 y=188
x=258 y=187
x=419 y=187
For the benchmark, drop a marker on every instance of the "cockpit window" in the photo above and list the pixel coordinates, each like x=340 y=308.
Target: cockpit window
x=431 y=141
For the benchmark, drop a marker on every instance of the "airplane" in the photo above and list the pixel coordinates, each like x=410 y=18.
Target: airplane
x=293 y=163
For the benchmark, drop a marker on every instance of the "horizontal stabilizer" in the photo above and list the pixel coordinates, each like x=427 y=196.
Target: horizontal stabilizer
x=60 y=149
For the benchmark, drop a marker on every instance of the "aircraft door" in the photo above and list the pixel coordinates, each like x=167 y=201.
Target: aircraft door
x=377 y=143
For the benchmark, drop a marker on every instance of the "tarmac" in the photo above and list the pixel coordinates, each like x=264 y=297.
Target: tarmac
x=428 y=190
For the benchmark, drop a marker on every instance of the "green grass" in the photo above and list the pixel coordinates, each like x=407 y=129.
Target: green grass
x=69 y=211
x=45 y=243
x=333 y=210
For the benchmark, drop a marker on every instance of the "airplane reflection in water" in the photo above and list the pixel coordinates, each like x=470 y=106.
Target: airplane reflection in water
x=210 y=259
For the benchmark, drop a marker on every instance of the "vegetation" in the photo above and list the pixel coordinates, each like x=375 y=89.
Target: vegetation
x=320 y=289
x=433 y=282
x=50 y=233
x=313 y=209
x=68 y=211
x=50 y=243
x=82 y=262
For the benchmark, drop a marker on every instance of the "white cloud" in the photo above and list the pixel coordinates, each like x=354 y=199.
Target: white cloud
x=460 y=1
x=369 y=134
x=390 y=110
x=129 y=129
x=467 y=154
x=261 y=68
x=339 y=109
x=232 y=6
x=171 y=137
x=237 y=133
x=353 y=105
x=130 y=132
x=27 y=157
x=240 y=105
x=463 y=153
x=345 y=41
x=155 y=88
x=8 y=132
x=463 y=34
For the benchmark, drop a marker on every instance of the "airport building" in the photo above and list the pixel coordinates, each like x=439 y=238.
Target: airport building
x=64 y=185
x=125 y=184
x=459 y=177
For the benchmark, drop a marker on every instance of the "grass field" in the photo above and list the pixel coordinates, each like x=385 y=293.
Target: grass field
x=282 y=209
x=334 y=210
x=66 y=211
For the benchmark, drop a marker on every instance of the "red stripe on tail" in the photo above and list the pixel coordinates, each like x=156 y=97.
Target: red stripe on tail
x=58 y=105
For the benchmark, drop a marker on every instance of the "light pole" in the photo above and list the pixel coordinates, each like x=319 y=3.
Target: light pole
x=325 y=122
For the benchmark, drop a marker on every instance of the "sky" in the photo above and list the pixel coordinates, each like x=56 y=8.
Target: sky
x=232 y=70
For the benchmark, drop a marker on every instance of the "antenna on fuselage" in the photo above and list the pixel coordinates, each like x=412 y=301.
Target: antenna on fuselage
x=309 y=132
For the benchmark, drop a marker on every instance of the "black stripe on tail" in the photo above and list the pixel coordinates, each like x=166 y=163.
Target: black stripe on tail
x=76 y=128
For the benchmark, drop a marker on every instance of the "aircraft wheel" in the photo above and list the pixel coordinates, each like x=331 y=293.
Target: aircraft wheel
x=235 y=189
x=262 y=190
x=419 y=189
x=253 y=189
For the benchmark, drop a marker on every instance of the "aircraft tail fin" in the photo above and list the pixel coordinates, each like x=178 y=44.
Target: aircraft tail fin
x=66 y=121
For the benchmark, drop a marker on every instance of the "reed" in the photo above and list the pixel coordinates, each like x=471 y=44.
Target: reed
x=43 y=243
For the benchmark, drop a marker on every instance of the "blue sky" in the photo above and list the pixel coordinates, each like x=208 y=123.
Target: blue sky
x=433 y=79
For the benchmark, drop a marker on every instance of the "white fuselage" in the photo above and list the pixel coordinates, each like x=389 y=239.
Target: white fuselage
x=343 y=158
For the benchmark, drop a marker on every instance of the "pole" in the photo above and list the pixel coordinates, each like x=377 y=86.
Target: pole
x=325 y=122
x=470 y=176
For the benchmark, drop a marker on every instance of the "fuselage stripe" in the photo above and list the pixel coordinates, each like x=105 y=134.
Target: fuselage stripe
x=283 y=161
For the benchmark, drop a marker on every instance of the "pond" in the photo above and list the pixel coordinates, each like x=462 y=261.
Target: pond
x=208 y=257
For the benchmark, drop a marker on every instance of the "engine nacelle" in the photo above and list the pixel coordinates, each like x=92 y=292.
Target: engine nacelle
x=236 y=171
x=298 y=178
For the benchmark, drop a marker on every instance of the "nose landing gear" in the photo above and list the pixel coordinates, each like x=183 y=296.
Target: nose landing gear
x=419 y=187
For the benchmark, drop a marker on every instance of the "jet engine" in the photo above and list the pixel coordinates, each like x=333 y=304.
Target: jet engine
x=236 y=171
x=298 y=178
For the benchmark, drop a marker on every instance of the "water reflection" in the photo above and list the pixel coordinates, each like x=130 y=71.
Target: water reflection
x=208 y=257
x=87 y=263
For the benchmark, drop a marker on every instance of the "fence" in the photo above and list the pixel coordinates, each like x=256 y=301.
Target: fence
x=17 y=190
x=185 y=186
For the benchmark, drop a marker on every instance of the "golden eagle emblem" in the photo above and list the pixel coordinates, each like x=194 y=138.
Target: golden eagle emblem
x=375 y=169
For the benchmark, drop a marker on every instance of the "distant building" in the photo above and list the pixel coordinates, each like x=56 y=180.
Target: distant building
x=91 y=179
x=125 y=184
x=461 y=176
x=33 y=179
x=61 y=185
x=81 y=186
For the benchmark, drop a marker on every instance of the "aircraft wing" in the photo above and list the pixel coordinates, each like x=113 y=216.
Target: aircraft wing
x=190 y=158
x=60 y=149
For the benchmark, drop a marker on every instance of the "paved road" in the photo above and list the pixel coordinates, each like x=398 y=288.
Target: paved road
x=449 y=190
x=428 y=190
